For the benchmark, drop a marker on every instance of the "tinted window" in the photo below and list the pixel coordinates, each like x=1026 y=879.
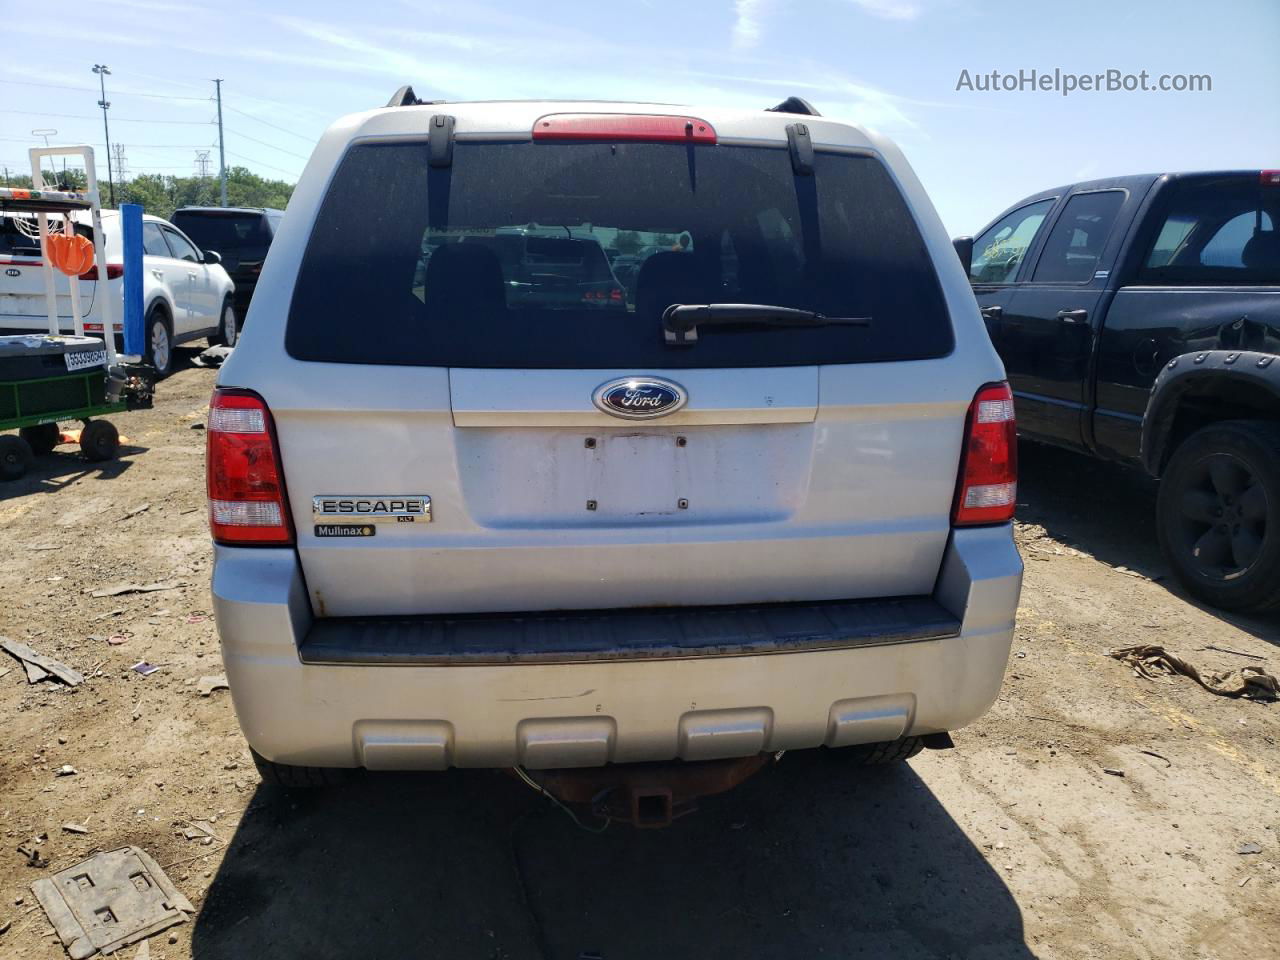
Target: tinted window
x=15 y=243
x=153 y=240
x=1219 y=231
x=566 y=254
x=224 y=232
x=1075 y=242
x=181 y=248
x=998 y=252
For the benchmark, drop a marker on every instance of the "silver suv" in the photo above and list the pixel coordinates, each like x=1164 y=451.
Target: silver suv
x=760 y=503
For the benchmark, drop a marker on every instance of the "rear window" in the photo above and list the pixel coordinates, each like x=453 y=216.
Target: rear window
x=16 y=240
x=223 y=232
x=564 y=255
x=1219 y=231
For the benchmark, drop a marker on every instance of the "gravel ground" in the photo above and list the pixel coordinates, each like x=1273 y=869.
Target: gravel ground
x=1016 y=844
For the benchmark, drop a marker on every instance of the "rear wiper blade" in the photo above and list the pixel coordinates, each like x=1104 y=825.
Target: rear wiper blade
x=680 y=321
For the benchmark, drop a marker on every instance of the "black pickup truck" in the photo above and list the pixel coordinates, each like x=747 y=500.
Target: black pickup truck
x=1139 y=320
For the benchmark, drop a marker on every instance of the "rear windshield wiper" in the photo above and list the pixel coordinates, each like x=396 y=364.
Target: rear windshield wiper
x=680 y=321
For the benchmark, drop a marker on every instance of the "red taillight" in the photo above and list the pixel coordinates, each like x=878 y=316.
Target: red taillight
x=247 y=502
x=615 y=294
x=1269 y=178
x=623 y=126
x=114 y=272
x=988 y=487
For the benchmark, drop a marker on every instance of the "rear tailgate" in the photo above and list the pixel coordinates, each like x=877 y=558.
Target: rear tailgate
x=790 y=464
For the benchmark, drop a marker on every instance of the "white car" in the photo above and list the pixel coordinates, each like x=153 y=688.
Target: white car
x=186 y=293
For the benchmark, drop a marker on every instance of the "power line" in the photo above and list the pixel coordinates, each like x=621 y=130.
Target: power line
x=66 y=86
x=161 y=146
x=239 y=156
x=79 y=116
x=264 y=143
x=268 y=123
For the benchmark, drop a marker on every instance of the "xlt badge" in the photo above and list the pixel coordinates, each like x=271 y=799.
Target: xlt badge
x=371 y=508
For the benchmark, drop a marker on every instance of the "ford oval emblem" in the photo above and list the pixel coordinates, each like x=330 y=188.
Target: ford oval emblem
x=639 y=398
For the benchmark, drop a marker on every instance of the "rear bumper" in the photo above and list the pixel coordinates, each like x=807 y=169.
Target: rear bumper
x=401 y=714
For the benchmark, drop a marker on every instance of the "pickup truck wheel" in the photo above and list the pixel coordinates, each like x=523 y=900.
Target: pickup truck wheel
x=1219 y=514
x=296 y=778
x=875 y=754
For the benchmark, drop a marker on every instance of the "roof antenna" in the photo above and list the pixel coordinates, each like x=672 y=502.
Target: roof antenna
x=794 y=105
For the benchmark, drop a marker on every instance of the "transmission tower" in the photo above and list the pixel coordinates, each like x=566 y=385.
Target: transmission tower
x=202 y=162
x=122 y=161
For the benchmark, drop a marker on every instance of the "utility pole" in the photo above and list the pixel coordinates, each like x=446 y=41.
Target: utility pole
x=222 y=156
x=101 y=70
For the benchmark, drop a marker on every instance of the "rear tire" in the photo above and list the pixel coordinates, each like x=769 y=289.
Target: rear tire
x=159 y=342
x=296 y=778
x=1218 y=514
x=15 y=457
x=42 y=438
x=99 y=440
x=228 y=327
x=877 y=754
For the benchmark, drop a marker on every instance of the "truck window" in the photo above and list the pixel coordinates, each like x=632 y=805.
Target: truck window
x=1215 y=232
x=999 y=251
x=1075 y=242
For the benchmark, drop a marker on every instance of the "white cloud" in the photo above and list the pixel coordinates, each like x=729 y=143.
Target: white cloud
x=746 y=25
x=890 y=9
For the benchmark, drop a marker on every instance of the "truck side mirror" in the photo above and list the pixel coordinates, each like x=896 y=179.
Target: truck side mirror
x=964 y=250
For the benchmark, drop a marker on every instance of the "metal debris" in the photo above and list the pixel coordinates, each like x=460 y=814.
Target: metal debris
x=213 y=357
x=75 y=828
x=38 y=666
x=144 y=668
x=1154 y=662
x=120 y=589
x=1113 y=771
x=32 y=853
x=109 y=901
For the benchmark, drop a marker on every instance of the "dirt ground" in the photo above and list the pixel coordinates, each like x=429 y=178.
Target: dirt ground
x=1016 y=844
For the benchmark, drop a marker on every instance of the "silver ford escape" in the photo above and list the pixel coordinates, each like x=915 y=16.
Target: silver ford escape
x=582 y=434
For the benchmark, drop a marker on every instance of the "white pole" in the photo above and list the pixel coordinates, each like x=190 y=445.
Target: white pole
x=77 y=321
x=42 y=219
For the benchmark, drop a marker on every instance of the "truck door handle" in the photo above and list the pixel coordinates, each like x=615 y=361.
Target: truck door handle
x=1073 y=316
x=992 y=313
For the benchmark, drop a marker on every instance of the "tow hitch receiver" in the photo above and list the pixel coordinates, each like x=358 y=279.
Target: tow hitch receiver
x=645 y=794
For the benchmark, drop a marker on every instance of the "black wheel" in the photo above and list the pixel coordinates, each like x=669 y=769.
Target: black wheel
x=42 y=438
x=159 y=341
x=15 y=456
x=1219 y=514
x=228 y=327
x=296 y=778
x=874 y=754
x=99 y=440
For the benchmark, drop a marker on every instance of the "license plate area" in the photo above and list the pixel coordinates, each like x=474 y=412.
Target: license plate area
x=634 y=475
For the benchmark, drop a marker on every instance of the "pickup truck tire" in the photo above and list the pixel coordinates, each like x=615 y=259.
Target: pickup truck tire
x=875 y=754
x=1218 y=514
x=296 y=778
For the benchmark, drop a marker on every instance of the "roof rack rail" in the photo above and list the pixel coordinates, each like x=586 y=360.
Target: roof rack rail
x=790 y=105
x=405 y=97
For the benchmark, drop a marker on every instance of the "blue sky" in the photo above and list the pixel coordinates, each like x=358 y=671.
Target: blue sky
x=291 y=67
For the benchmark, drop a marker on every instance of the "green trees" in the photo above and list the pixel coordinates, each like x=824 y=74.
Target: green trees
x=160 y=195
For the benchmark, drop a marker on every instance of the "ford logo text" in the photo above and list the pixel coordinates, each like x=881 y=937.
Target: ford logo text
x=639 y=398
